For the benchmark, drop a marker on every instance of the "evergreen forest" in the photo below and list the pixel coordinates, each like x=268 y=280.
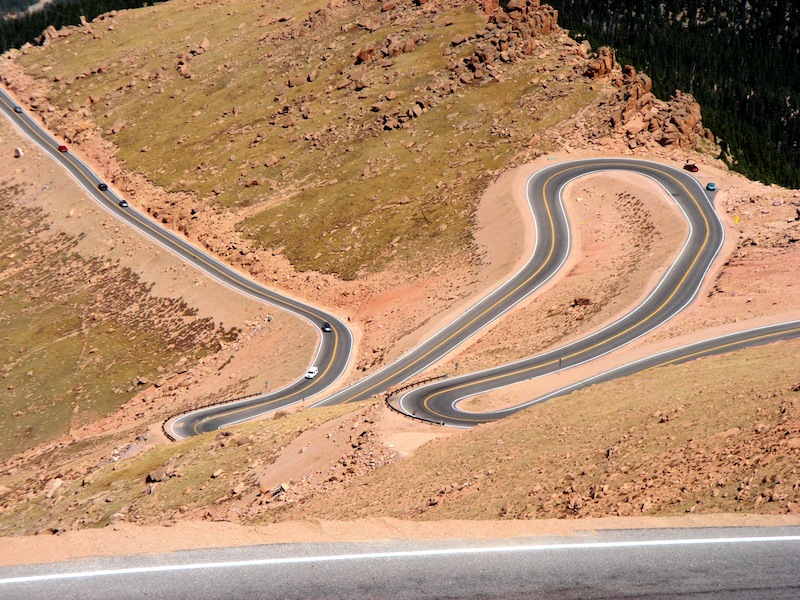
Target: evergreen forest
x=14 y=6
x=739 y=59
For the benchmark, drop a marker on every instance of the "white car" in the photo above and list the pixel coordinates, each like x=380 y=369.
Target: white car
x=312 y=372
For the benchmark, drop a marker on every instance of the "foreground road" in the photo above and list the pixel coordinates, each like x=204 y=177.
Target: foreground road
x=334 y=348
x=729 y=563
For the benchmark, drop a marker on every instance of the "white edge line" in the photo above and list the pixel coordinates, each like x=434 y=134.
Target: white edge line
x=399 y=554
x=612 y=324
x=92 y=193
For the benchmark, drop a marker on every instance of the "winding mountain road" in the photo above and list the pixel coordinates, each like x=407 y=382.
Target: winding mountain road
x=675 y=290
x=437 y=402
x=335 y=347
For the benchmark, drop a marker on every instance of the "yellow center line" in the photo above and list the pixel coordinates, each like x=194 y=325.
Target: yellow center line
x=601 y=342
x=496 y=303
x=764 y=336
x=156 y=231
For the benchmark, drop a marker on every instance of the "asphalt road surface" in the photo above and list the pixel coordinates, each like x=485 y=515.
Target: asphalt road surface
x=724 y=563
x=335 y=347
x=675 y=290
x=436 y=403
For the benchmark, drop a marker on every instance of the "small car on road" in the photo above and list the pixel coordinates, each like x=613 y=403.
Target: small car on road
x=690 y=166
x=123 y=203
x=711 y=187
x=62 y=148
x=102 y=187
x=326 y=327
x=312 y=372
x=18 y=110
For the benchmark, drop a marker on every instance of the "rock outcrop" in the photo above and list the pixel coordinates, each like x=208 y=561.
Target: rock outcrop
x=510 y=35
x=645 y=119
x=603 y=64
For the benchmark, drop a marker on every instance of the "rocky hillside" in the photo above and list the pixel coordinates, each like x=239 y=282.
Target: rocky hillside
x=339 y=150
x=346 y=136
x=713 y=445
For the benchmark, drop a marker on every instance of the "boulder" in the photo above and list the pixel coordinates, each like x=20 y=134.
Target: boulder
x=53 y=488
x=158 y=475
x=366 y=53
x=606 y=61
x=369 y=24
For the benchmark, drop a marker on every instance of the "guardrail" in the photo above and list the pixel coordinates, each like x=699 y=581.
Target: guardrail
x=389 y=395
x=414 y=384
x=209 y=405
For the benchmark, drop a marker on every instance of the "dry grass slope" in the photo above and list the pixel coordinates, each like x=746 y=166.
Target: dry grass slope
x=267 y=112
x=81 y=335
x=720 y=434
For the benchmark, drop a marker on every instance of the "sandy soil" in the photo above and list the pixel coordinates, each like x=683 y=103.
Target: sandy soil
x=127 y=539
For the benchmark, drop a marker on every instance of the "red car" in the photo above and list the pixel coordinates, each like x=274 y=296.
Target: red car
x=62 y=149
x=691 y=167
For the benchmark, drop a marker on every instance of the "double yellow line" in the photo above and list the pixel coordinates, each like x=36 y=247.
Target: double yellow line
x=528 y=369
